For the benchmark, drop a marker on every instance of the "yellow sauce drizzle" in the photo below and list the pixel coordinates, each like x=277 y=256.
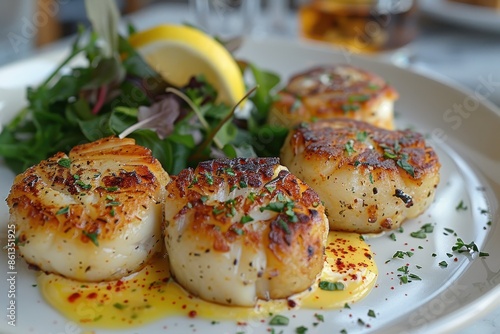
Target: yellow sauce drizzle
x=151 y=295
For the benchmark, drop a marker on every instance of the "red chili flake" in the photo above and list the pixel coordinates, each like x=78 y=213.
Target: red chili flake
x=192 y=314
x=291 y=303
x=73 y=297
x=455 y=259
x=119 y=283
x=368 y=255
x=92 y=295
x=241 y=323
x=184 y=306
x=108 y=287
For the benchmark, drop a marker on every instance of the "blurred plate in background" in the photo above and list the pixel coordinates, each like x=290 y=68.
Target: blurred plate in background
x=482 y=18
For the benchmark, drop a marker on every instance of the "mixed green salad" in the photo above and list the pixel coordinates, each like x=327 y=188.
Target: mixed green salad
x=117 y=93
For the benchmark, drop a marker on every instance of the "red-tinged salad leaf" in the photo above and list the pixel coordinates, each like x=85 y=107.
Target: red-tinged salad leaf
x=160 y=117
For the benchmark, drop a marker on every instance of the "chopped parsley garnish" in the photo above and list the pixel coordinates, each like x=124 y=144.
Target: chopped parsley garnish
x=193 y=181
x=371 y=313
x=361 y=136
x=113 y=203
x=392 y=236
x=419 y=234
x=83 y=185
x=403 y=269
x=301 y=330
x=406 y=275
x=402 y=159
x=270 y=188
x=461 y=247
x=63 y=211
x=251 y=196
x=204 y=198
x=111 y=189
x=331 y=286
x=217 y=211
x=229 y=171
x=349 y=147
x=358 y=98
x=119 y=306
x=461 y=206
x=279 y=320
x=443 y=264
x=66 y=163
x=243 y=184
x=319 y=317
x=92 y=236
x=401 y=254
x=422 y=233
x=349 y=107
x=403 y=163
x=246 y=219
x=415 y=277
x=209 y=178
x=347 y=306
x=274 y=206
x=483 y=254
x=238 y=231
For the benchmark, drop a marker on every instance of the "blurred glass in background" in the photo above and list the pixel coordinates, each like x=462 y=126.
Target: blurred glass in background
x=233 y=18
x=362 y=26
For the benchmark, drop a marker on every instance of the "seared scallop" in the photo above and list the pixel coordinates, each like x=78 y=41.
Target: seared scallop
x=370 y=179
x=334 y=91
x=238 y=230
x=93 y=215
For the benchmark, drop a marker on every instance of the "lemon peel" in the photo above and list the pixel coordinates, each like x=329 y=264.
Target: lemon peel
x=179 y=52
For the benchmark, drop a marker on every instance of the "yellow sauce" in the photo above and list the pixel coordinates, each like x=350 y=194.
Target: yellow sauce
x=150 y=294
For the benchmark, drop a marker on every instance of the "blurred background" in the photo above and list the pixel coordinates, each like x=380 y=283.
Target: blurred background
x=456 y=40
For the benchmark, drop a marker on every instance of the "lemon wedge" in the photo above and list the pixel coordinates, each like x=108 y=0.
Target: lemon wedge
x=180 y=52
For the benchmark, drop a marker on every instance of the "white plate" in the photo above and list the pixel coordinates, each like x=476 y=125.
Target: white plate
x=477 y=17
x=444 y=300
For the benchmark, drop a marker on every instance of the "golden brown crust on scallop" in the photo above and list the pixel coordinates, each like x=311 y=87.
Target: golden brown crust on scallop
x=99 y=194
x=334 y=91
x=340 y=140
x=259 y=206
x=370 y=179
